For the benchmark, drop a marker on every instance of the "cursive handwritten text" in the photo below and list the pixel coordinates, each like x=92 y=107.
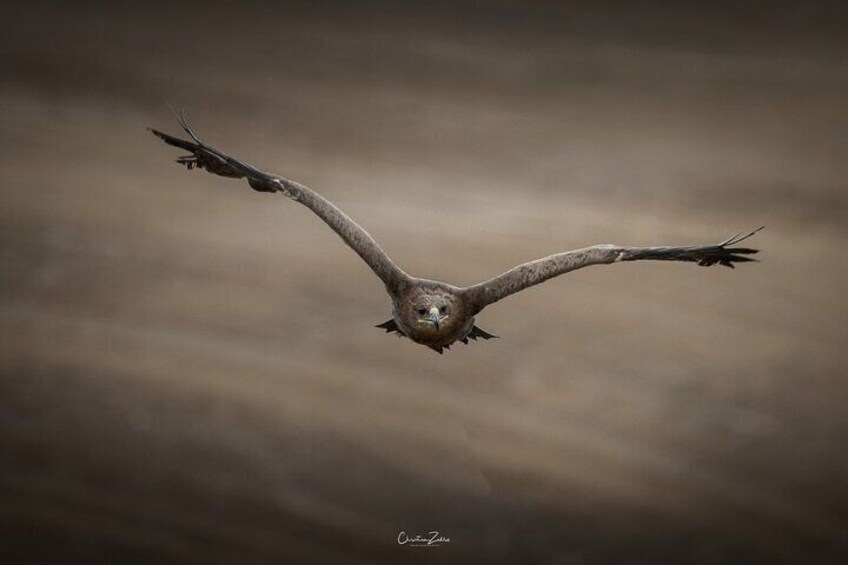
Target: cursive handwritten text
x=431 y=539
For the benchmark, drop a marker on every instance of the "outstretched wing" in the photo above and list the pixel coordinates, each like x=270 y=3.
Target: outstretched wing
x=204 y=156
x=536 y=272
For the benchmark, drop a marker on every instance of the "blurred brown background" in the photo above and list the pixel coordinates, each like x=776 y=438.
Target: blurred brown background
x=190 y=371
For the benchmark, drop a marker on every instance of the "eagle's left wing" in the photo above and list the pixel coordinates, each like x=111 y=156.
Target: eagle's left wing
x=536 y=272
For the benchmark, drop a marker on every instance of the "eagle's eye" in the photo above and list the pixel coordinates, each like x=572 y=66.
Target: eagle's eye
x=443 y=309
x=422 y=311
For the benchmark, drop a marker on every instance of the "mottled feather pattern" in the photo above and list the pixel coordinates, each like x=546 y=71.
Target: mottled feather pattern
x=536 y=272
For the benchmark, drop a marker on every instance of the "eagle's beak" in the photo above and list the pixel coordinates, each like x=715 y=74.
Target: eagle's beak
x=435 y=318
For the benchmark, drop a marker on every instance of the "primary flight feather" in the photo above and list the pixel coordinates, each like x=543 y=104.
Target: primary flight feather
x=434 y=313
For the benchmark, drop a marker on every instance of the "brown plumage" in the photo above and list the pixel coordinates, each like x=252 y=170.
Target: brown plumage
x=428 y=312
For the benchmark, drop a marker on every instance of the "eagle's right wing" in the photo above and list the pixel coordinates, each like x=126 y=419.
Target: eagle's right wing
x=204 y=156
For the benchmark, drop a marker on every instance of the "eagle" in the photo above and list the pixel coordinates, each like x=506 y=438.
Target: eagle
x=429 y=312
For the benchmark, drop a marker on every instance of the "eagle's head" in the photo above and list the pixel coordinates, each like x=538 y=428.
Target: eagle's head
x=433 y=315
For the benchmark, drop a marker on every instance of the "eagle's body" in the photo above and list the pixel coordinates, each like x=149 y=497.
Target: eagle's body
x=429 y=312
x=455 y=311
